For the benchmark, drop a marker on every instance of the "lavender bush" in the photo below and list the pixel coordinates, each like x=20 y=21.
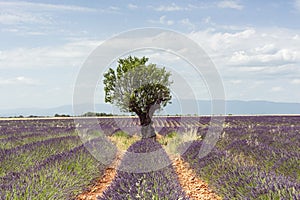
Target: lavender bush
x=160 y=184
x=256 y=158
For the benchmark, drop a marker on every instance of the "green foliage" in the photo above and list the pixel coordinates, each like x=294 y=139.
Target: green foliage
x=137 y=87
x=122 y=134
x=123 y=140
x=61 y=115
x=172 y=135
x=173 y=141
x=95 y=114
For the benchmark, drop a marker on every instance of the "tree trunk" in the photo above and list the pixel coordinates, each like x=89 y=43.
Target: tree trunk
x=147 y=128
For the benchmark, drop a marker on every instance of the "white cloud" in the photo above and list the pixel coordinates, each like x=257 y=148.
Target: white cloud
x=114 y=8
x=235 y=81
x=172 y=7
x=295 y=81
x=230 y=4
x=20 y=80
x=251 y=46
x=280 y=56
x=276 y=89
x=132 y=6
x=223 y=40
x=163 y=20
x=68 y=55
x=20 y=12
x=297 y=4
x=188 y=23
x=207 y=20
x=43 y=6
x=267 y=48
x=22 y=17
x=254 y=54
x=175 y=7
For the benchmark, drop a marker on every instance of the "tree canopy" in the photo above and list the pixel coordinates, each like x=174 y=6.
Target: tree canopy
x=137 y=87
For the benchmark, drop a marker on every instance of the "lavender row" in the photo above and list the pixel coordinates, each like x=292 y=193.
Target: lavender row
x=21 y=158
x=60 y=176
x=42 y=125
x=15 y=141
x=35 y=145
x=10 y=128
x=255 y=158
x=156 y=184
x=16 y=127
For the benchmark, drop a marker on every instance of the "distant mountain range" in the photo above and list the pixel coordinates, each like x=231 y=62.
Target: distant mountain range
x=183 y=107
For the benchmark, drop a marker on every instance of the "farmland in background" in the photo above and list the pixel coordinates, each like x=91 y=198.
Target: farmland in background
x=256 y=157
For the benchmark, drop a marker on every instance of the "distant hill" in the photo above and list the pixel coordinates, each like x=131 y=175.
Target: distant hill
x=234 y=107
x=262 y=107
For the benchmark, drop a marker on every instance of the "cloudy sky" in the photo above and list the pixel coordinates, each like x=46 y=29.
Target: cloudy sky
x=255 y=45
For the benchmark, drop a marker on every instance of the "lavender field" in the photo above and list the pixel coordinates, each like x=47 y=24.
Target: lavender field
x=256 y=157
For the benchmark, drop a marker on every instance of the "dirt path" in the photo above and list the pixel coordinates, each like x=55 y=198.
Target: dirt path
x=195 y=188
x=102 y=183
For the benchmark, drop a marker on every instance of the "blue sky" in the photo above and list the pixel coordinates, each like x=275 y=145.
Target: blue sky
x=255 y=45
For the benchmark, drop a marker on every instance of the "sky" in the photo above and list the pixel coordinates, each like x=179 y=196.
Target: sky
x=254 y=45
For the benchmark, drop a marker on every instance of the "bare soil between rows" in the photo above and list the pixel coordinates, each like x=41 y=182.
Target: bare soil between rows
x=194 y=187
